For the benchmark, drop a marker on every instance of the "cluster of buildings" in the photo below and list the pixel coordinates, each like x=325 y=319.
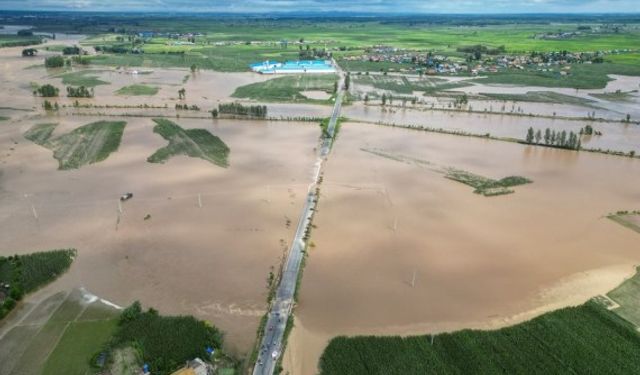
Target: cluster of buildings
x=440 y=64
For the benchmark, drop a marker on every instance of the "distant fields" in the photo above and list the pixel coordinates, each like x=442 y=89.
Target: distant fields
x=583 y=76
x=288 y=88
x=587 y=339
x=195 y=143
x=87 y=144
x=17 y=41
x=221 y=58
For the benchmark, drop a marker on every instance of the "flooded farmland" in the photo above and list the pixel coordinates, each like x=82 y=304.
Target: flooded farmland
x=210 y=237
x=399 y=249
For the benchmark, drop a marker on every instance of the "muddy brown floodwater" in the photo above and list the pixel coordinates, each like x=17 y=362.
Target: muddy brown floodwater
x=211 y=262
x=478 y=262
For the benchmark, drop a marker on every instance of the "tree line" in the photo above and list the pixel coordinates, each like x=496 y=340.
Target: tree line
x=553 y=138
x=239 y=109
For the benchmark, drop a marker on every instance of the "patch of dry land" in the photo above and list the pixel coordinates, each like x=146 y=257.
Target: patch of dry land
x=196 y=238
x=478 y=262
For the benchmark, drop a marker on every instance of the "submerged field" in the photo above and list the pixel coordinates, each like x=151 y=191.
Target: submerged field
x=168 y=261
x=431 y=257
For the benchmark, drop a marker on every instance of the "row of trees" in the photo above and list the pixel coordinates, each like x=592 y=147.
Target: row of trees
x=239 y=109
x=560 y=139
x=186 y=107
x=79 y=92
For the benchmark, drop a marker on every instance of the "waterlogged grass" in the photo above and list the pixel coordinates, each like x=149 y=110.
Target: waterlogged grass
x=587 y=339
x=616 y=96
x=86 y=78
x=288 y=88
x=542 y=97
x=398 y=84
x=196 y=143
x=484 y=185
x=138 y=90
x=40 y=133
x=627 y=219
x=87 y=144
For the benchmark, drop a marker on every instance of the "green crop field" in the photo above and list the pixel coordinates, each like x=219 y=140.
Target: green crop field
x=289 y=88
x=80 y=342
x=87 y=144
x=196 y=143
x=135 y=90
x=627 y=295
x=587 y=339
x=40 y=133
x=86 y=78
x=542 y=97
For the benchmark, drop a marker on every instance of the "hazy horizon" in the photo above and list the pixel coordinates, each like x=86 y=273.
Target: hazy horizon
x=387 y=7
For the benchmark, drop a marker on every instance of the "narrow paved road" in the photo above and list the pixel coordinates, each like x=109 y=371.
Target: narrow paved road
x=280 y=309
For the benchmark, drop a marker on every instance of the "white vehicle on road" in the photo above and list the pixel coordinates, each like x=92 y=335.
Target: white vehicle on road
x=274 y=355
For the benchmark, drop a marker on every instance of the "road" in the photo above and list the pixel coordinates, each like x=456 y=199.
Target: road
x=282 y=303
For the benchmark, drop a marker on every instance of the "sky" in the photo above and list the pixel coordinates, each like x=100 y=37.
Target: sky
x=365 y=6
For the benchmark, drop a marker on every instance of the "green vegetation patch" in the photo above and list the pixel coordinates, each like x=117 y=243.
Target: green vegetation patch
x=40 y=133
x=26 y=273
x=80 y=342
x=627 y=296
x=87 y=144
x=629 y=219
x=4 y=118
x=86 y=78
x=166 y=343
x=196 y=143
x=289 y=88
x=542 y=97
x=17 y=40
x=574 y=340
x=484 y=185
x=137 y=90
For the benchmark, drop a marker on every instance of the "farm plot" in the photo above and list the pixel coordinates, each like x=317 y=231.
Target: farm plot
x=87 y=144
x=196 y=143
x=289 y=88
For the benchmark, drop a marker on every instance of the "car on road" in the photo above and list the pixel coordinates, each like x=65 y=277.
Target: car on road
x=274 y=355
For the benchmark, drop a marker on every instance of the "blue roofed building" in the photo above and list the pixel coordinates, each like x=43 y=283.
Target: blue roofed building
x=294 y=67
